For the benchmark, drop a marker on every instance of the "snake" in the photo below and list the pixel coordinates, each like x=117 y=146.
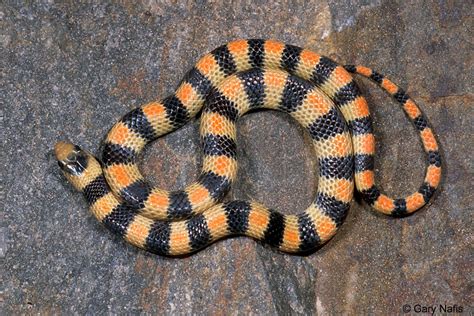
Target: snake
x=233 y=79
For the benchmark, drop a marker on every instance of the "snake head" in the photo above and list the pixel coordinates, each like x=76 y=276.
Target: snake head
x=71 y=158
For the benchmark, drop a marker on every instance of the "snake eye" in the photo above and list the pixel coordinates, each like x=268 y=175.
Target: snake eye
x=77 y=149
x=72 y=157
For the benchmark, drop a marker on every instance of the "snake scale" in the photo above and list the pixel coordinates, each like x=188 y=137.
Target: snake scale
x=226 y=83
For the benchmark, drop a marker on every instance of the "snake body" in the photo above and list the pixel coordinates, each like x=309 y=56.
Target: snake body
x=237 y=77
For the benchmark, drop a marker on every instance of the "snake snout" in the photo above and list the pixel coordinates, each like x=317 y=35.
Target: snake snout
x=62 y=149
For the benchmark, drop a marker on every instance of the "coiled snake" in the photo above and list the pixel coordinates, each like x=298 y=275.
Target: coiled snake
x=231 y=80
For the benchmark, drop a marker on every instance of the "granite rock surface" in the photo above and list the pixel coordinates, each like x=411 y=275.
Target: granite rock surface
x=69 y=71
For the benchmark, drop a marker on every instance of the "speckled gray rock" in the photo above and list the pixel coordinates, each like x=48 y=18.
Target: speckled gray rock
x=70 y=71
